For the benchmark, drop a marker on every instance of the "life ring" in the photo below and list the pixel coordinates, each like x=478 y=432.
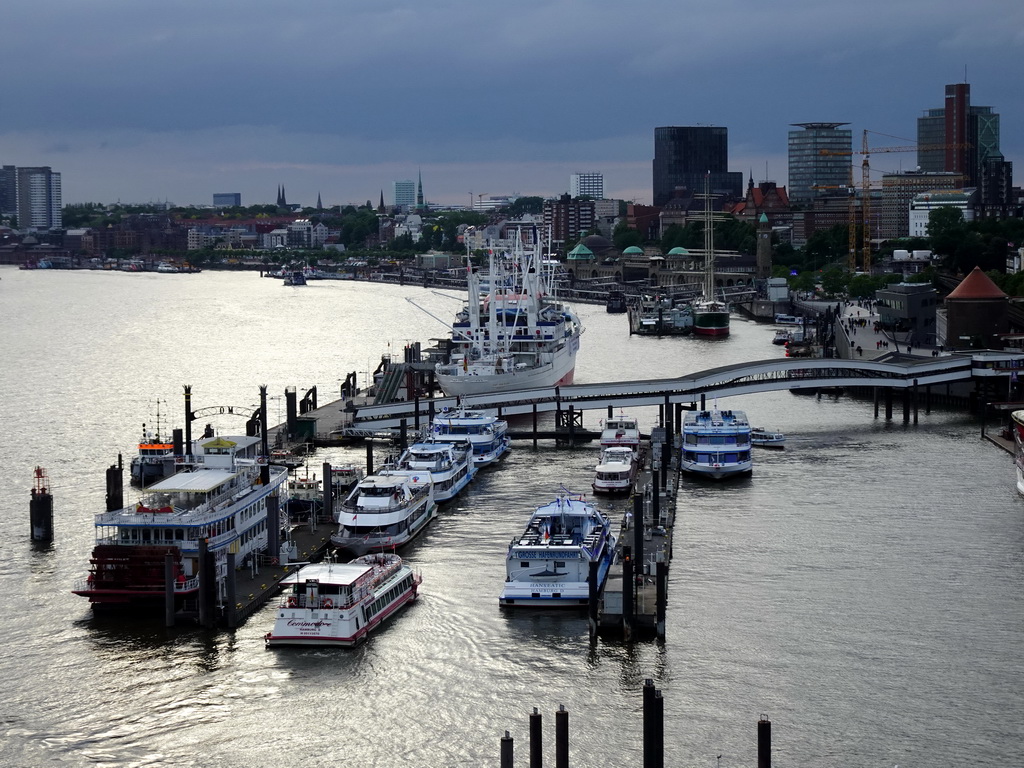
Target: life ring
x=273 y=561
x=328 y=603
x=292 y=602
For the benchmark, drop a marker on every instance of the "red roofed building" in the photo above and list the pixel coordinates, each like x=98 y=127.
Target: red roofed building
x=976 y=313
x=767 y=198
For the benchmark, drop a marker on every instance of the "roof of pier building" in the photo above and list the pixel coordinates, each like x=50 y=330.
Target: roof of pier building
x=976 y=286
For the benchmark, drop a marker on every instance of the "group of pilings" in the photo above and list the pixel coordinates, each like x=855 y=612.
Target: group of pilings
x=653 y=736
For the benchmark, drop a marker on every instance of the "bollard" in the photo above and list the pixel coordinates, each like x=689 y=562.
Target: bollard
x=764 y=742
x=507 y=751
x=40 y=509
x=536 y=745
x=561 y=738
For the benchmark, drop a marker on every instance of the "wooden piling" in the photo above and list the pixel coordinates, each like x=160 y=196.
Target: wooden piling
x=536 y=740
x=507 y=752
x=764 y=742
x=561 y=738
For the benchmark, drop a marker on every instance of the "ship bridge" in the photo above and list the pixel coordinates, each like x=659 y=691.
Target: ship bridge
x=894 y=371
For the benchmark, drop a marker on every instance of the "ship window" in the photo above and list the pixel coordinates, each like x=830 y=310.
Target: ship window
x=524 y=564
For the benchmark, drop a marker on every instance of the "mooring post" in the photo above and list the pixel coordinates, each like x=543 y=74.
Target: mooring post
x=654 y=726
x=906 y=405
x=369 y=457
x=169 y=590
x=888 y=403
x=876 y=400
x=403 y=434
x=536 y=744
x=638 y=530
x=204 y=584
x=230 y=593
x=927 y=399
x=764 y=742
x=655 y=500
x=507 y=752
x=627 y=593
x=40 y=509
x=328 y=511
x=661 y=596
x=914 y=398
x=273 y=527
x=535 y=426
x=561 y=737
x=702 y=401
x=611 y=409
x=416 y=413
x=572 y=426
x=592 y=598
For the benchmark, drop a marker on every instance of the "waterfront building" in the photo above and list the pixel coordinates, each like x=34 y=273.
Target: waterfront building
x=924 y=203
x=685 y=155
x=404 y=194
x=977 y=314
x=8 y=191
x=909 y=307
x=819 y=161
x=958 y=137
x=39 y=198
x=227 y=199
x=590 y=184
x=899 y=190
x=566 y=219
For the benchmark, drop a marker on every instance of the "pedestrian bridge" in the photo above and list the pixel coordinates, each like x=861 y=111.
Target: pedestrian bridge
x=896 y=371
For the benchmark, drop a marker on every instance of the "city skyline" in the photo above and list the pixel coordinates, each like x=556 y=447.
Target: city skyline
x=134 y=105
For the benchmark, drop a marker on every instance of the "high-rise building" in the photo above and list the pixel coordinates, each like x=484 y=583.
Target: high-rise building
x=591 y=184
x=898 y=191
x=8 y=191
x=566 y=219
x=227 y=199
x=819 y=162
x=39 y=198
x=404 y=194
x=957 y=138
x=685 y=156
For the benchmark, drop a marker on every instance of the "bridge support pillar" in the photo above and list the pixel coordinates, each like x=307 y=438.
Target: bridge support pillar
x=913 y=396
x=876 y=401
x=702 y=402
x=888 y=403
x=927 y=399
x=906 y=405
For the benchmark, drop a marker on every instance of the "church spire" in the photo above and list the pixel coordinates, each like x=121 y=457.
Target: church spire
x=419 y=193
x=380 y=207
x=319 y=205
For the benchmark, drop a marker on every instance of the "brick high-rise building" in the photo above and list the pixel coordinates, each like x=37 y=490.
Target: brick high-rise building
x=958 y=137
x=566 y=219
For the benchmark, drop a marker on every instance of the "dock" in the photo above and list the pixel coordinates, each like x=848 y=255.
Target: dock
x=635 y=595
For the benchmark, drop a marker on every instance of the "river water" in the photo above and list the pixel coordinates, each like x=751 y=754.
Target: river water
x=864 y=589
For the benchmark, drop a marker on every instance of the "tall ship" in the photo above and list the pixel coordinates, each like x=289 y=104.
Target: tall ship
x=340 y=604
x=548 y=565
x=487 y=434
x=220 y=496
x=710 y=316
x=716 y=444
x=449 y=464
x=385 y=511
x=1017 y=417
x=516 y=334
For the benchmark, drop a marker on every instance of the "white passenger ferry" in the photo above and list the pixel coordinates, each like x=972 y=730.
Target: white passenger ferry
x=716 y=444
x=450 y=465
x=548 y=565
x=341 y=603
x=616 y=470
x=385 y=511
x=486 y=433
x=622 y=430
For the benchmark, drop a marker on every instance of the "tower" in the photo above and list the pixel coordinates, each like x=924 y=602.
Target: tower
x=819 y=161
x=590 y=184
x=419 y=193
x=958 y=137
x=764 y=248
x=39 y=198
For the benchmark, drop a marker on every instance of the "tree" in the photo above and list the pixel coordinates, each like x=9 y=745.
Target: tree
x=624 y=236
x=834 y=280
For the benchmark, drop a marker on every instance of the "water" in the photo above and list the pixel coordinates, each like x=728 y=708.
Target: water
x=863 y=589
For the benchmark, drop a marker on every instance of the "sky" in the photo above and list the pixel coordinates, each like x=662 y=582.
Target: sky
x=142 y=102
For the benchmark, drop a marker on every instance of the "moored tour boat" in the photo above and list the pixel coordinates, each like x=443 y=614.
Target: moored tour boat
x=449 y=464
x=220 y=498
x=716 y=444
x=1017 y=417
x=621 y=430
x=341 y=603
x=486 y=433
x=548 y=565
x=616 y=470
x=154 y=461
x=516 y=336
x=385 y=511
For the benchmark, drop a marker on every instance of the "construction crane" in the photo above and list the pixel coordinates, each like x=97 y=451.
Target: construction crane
x=865 y=185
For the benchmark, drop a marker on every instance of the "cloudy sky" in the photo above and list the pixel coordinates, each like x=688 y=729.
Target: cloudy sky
x=138 y=101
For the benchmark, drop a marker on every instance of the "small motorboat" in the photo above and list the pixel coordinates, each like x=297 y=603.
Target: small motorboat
x=763 y=438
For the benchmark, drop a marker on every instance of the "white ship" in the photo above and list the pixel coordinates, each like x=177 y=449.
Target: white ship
x=515 y=335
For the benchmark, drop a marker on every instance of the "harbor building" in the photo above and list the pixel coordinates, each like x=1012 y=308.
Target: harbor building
x=590 y=184
x=977 y=313
x=685 y=155
x=899 y=191
x=909 y=307
x=39 y=198
x=923 y=204
x=819 y=161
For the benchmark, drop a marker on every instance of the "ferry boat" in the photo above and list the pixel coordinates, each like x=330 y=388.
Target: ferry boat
x=616 y=470
x=339 y=604
x=1017 y=417
x=764 y=438
x=616 y=302
x=449 y=464
x=305 y=498
x=385 y=511
x=219 y=497
x=622 y=430
x=548 y=565
x=344 y=478
x=487 y=434
x=285 y=458
x=514 y=336
x=781 y=319
x=716 y=444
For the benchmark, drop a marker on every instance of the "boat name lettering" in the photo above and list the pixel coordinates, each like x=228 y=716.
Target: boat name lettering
x=294 y=623
x=559 y=555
